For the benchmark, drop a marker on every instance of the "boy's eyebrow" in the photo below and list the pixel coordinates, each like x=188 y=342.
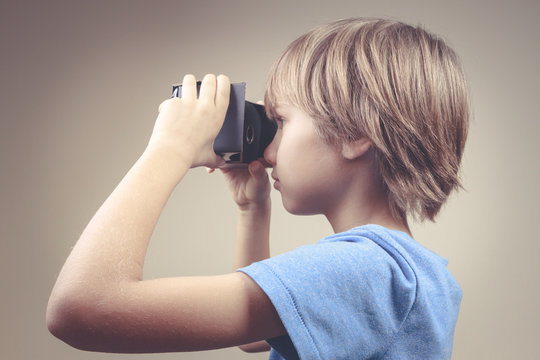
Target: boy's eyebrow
x=281 y=107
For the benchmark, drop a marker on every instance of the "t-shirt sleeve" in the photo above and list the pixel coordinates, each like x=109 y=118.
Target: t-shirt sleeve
x=338 y=298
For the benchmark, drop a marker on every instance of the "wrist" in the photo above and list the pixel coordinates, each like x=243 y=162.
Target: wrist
x=170 y=154
x=165 y=163
x=260 y=207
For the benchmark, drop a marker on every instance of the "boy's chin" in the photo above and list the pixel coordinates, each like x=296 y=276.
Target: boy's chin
x=297 y=208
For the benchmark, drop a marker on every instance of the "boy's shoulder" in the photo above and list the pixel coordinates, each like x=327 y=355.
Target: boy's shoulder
x=381 y=249
x=355 y=278
x=398 y=244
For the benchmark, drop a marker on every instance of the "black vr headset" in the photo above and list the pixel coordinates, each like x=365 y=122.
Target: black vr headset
x=246 y=131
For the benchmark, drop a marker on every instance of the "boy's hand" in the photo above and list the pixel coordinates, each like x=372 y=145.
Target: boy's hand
x=187 y=126
x=250 y=187
x=251 y=191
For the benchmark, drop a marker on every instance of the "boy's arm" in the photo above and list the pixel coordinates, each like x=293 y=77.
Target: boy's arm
x=251 y=191
x=100 y=301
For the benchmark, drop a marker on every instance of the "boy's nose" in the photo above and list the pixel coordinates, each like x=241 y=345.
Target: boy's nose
x=271 y=150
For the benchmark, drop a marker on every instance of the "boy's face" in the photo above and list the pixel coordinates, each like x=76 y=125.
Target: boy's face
x=309 y=173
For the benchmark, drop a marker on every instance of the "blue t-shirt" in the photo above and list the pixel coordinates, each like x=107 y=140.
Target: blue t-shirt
x=367 y=293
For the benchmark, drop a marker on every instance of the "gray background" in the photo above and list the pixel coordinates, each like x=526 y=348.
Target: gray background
x=80 y=85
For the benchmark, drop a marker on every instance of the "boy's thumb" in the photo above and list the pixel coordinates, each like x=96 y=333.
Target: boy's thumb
x=256 y=169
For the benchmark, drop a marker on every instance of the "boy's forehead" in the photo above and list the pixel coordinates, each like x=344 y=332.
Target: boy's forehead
x=282 y=106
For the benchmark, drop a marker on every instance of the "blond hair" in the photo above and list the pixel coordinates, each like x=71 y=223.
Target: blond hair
x=398 y=85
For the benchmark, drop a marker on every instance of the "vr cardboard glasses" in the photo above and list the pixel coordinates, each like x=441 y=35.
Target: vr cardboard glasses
x=246 y=131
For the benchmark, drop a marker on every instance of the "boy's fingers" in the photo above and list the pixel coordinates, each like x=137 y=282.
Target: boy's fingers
x=223 y=92
x=208 y=88
x=189 y=87
x=167 y=103
x=264 y=163
x=256 y=169
x=216 y=162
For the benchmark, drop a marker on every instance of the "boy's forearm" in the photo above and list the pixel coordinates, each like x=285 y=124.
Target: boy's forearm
x=253 y=244
x=253 y=235
x=113 y=245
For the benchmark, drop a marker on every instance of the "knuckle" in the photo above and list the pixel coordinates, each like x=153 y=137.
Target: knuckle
x=167 y=103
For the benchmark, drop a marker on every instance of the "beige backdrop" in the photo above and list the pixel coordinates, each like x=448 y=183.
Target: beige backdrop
x=80 y=85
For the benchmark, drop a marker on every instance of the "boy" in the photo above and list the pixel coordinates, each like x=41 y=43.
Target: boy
x=372 y=119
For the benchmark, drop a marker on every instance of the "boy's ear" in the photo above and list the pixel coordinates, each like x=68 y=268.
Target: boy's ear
x=355 y=149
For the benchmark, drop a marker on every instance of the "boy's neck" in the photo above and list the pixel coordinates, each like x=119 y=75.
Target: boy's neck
x=348 y=220
x=363 y=201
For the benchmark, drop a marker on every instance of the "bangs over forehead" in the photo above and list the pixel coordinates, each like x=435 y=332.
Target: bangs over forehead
x=300 y=75
x=287 y=78
x=314 y=74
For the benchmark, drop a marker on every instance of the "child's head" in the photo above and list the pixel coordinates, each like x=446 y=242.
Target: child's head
x=395 y=84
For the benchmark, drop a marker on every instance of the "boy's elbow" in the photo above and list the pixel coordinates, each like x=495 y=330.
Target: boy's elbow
x=68 y=319
x=256 y=347
x=58 y=321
